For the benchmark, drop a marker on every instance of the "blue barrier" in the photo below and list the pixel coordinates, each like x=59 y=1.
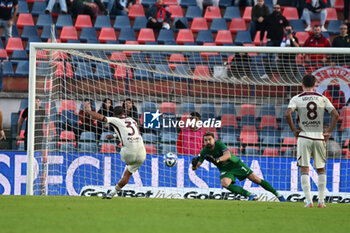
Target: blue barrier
x=69 y=173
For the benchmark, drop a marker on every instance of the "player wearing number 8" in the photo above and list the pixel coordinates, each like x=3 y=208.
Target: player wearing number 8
x=133 y=152
x=310 y=107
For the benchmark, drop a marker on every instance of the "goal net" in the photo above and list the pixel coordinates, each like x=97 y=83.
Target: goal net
x=239 y=93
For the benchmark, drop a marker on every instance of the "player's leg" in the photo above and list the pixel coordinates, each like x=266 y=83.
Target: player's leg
x=266 y=185
x=319 y=164
x=304 y=150
x=228 y=181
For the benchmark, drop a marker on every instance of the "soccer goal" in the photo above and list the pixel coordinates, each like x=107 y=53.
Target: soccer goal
x=241 y=94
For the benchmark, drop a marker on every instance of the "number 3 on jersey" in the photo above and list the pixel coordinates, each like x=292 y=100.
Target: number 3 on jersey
x=133 y=128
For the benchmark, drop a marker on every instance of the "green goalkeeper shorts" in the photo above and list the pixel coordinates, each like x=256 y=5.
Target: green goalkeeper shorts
x=240 y=171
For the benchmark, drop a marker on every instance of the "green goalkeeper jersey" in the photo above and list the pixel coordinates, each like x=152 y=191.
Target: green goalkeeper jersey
x=217 y=152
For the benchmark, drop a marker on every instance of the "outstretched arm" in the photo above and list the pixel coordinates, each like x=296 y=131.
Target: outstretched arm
x=96 y=115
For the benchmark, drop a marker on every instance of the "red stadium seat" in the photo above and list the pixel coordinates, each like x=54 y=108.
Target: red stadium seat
x=25 y=19
x=288 y=141
x=345 y=118
x=212 y=130
x=59 y=55
x=168 y=107
x=128 y=53
x=107 y=34
x=248 y=134
x=68 y=105
x=175 y=59
x=331 y=14
x=234 y=150
x=118 y=56
x=14 y=43
x=3 y=53
x=229 y=120
x=223 y=37
x=184 y=36
x=247 y=109
x=257 y=39
x=136 y=11
x=268 y=120
x=151 y=149
x=212 y=12
x=302 y=37
x=247 y=14
x=272 y=152
x=68 y=33
x=202 y=72
x=290 y=13
x=83 y=21
x=208 y=54
x=146 y=35
x=122 y=71
x=42 y=54
x=176 y=11
x=339 y=5
x=170 y=2
x=199 y=24
x=237 y=24
x=108 y=148
x=67 y=137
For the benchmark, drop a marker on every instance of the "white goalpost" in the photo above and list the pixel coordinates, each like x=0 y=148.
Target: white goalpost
x=241 y=94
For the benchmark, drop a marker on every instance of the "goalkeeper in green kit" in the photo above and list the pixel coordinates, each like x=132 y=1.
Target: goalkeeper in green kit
x=230 y=167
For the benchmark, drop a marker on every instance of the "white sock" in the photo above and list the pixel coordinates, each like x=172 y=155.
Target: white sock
x=305 y=184
x=322 y=181
x=117 y=188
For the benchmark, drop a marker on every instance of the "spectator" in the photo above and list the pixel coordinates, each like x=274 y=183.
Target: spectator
x=343 y=40
x=240 y=66
x=38 y=130
x=207 y=3
x=335 y=95
x=51 y=4
x=158 y=16
x=190 y=139
x=80 y=7
x=7 y=16
x=259 y=12
x=315 y=9
x=273 y=24
x=130 y=110
x=346 y=11
x=107 y=111
x=87 y=122
x=287 y=60
x=121 y=7
x=2 y=132
x=316 y=40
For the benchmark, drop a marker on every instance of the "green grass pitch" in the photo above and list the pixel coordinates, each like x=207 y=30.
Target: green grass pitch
x=92 y=214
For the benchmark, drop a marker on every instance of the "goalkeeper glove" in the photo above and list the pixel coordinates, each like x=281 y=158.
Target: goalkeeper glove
x=195 y=161
x=211 y=159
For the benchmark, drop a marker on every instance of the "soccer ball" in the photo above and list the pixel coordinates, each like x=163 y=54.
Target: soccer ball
x=170 y=159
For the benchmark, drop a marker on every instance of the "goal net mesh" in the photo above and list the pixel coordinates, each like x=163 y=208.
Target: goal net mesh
x=240 y=94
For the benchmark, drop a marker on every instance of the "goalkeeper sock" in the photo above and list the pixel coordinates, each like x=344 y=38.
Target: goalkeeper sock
x=322 y=181
x=305 y=185
x=238 y=190
x=267 y=186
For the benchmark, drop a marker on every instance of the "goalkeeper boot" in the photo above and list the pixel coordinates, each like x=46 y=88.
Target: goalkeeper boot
x=281 y=198
x=309 y=205
x=321 y=205
x=252 y=197
x=109 y=195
